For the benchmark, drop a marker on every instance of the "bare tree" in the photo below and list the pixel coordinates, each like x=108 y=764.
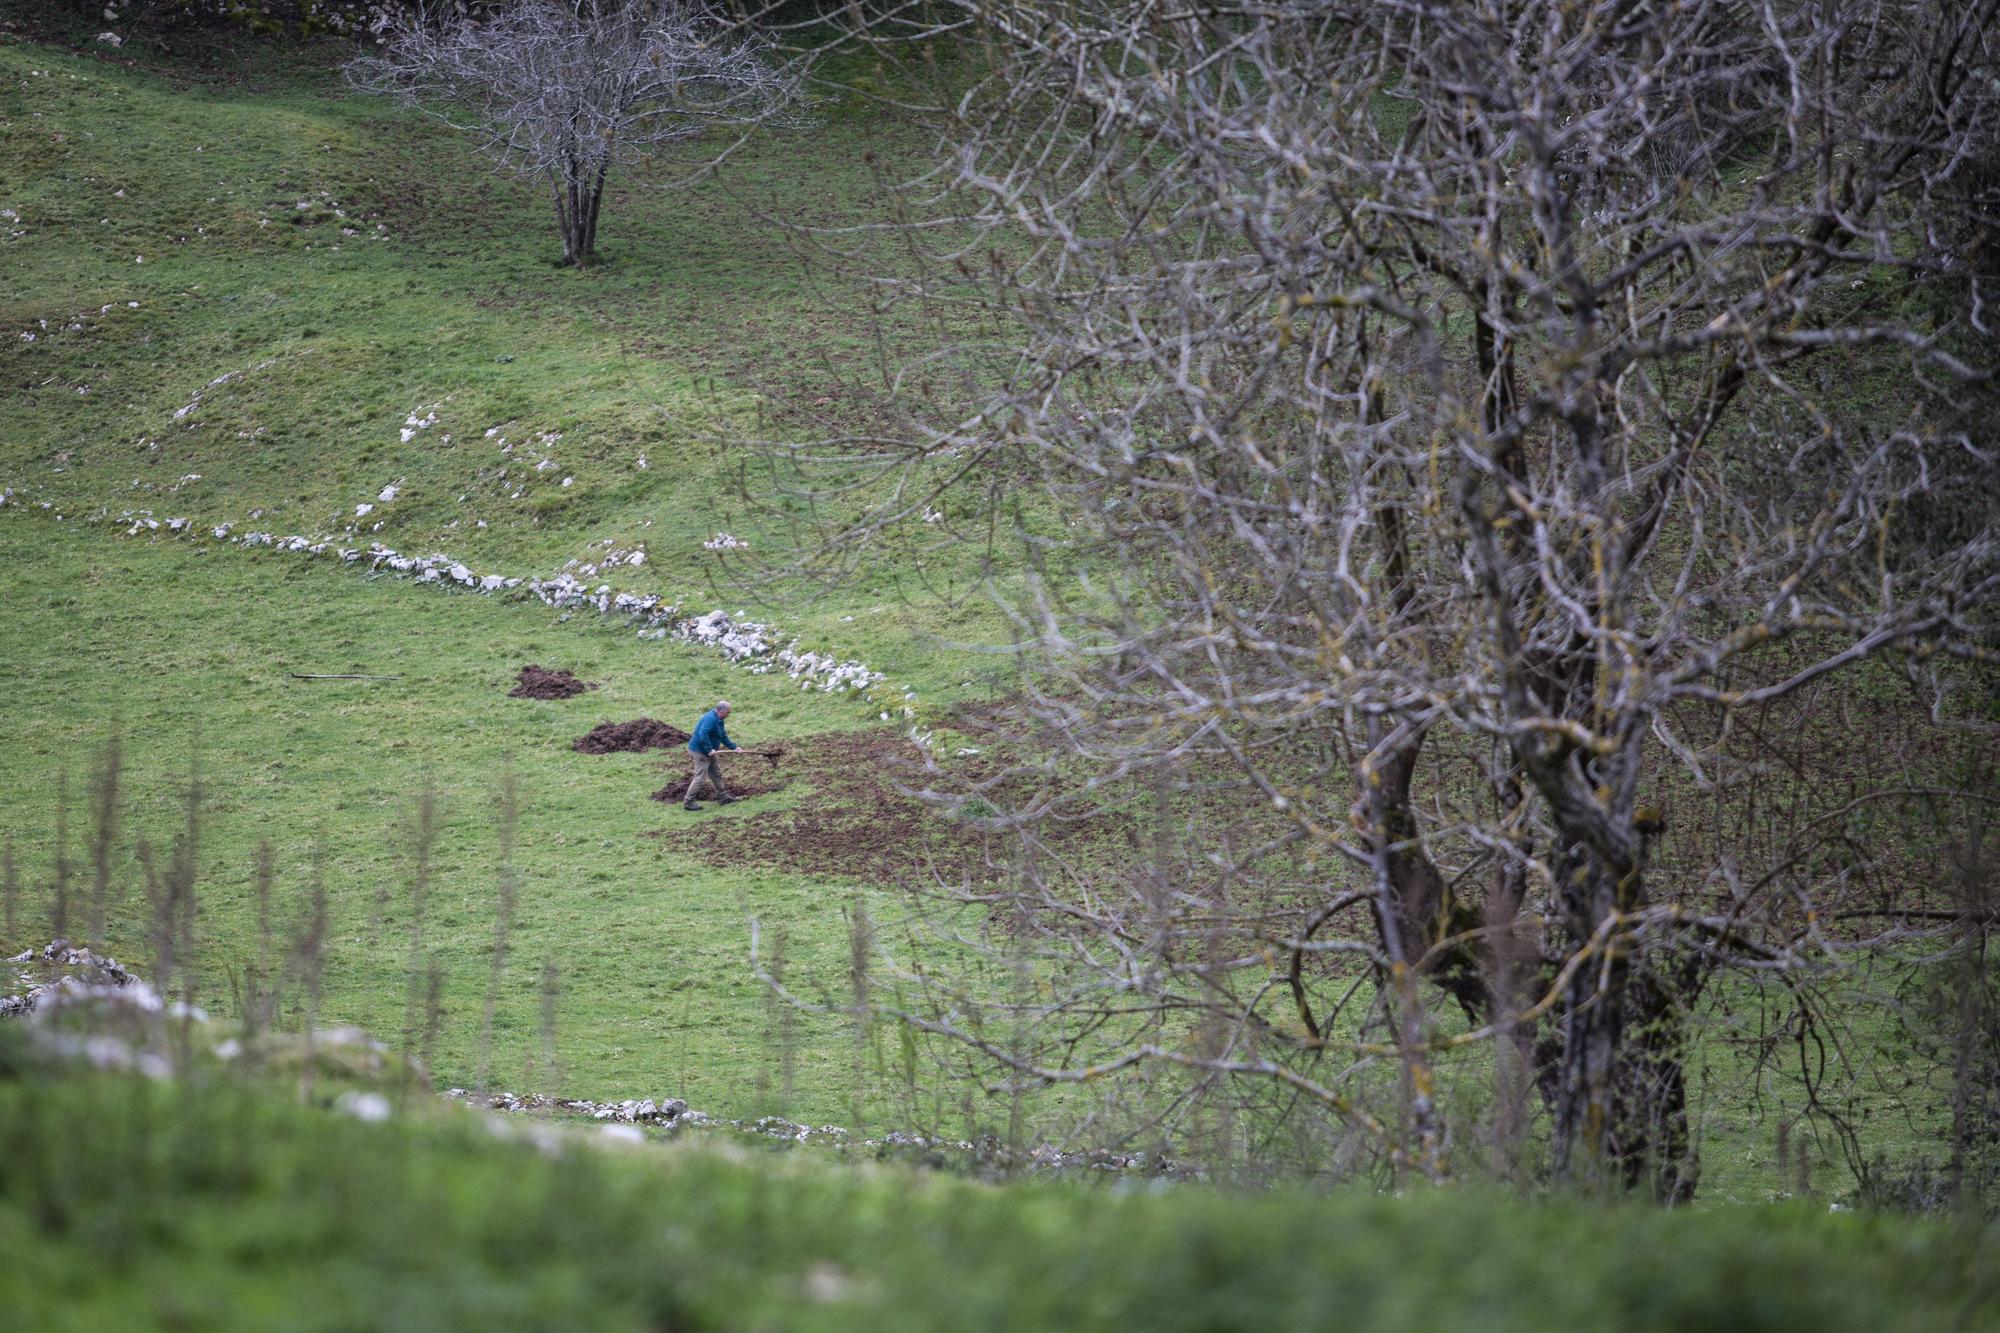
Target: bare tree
x=562 y=91
x=1484 y=426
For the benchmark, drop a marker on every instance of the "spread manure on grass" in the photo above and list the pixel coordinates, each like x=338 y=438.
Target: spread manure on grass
x=642 y=733
x=539 y=682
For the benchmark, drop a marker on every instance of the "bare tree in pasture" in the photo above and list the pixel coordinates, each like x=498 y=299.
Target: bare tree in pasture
x=1486 y=426
x=562 y=92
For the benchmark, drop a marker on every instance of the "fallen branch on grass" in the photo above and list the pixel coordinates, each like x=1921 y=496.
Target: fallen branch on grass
x=302 y=676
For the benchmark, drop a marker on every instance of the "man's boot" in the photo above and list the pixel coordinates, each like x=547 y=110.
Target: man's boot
x=689 y=805
x=724 y=799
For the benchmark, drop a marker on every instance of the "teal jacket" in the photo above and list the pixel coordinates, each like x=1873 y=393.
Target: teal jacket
x=709 y=735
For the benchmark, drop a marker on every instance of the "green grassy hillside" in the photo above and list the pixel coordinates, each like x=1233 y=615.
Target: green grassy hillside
x=235 y=289
x=235 y=294
x=232 y=287
x=187 y=651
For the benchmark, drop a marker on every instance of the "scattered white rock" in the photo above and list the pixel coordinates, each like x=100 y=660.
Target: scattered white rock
x=194 y=400
x=423 y=418
x=757 y=647
x=372 y=1107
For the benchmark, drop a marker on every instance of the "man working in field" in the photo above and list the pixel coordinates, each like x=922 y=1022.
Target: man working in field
x=709 y=736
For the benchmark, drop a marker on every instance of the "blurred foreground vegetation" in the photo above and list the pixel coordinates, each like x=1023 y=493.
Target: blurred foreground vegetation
x=217 y=1204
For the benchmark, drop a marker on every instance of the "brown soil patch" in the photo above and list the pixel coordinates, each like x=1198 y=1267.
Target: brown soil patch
x=540 y=682
x=642 y=733
x=856 y=824
x=746 y=776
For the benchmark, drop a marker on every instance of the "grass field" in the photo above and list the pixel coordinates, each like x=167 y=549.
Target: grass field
x=650 y=939
x=342 y=266
x=186 y=652
x=201 y=214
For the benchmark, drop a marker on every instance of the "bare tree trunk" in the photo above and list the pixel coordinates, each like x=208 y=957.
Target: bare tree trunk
x=564 y=226
x=1593 y=1022
x=578 y=192
x=1407 y=889
x=1654 y=1139
x=1620 y=1095
x=576 y=250
x=589 y=245
x=1427 y=913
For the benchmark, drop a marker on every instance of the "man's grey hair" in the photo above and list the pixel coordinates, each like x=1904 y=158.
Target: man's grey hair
x=721 y=704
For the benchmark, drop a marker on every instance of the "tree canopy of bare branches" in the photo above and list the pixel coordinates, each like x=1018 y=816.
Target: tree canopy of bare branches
x=1482 y=423
x=562 y=92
